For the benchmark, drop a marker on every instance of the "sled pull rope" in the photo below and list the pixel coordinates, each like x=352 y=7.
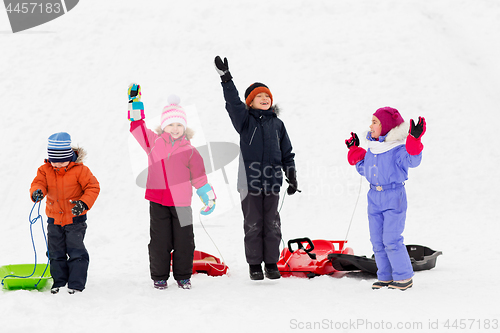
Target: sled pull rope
x=223 y=260
x=355 y=206
x=33 y=221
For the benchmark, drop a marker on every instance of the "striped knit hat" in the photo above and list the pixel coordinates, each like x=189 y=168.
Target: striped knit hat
x=173 y=113
x=59 y=148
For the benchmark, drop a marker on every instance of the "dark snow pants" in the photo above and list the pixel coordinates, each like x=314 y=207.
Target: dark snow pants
x=69 y=259
x=262 y=226
x=171 y=229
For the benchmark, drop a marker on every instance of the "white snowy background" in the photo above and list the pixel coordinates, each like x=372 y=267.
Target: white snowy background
x=330 y=64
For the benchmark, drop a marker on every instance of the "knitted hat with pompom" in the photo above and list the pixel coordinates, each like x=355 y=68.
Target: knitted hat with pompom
x=173 y=113
x=389 y=118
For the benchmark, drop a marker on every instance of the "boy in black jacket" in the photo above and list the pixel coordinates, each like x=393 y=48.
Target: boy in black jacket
x=266 y=150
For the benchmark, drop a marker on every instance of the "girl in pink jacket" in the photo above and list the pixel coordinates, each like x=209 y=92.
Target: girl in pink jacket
x=174 y=168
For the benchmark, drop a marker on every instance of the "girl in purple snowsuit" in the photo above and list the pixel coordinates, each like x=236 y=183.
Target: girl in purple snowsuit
x=392 y=149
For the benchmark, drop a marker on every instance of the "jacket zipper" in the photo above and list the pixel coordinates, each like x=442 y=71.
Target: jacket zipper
x=278 y=138
x=251 y=139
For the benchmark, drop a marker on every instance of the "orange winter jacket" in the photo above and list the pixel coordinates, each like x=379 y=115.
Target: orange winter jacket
x=60 y=186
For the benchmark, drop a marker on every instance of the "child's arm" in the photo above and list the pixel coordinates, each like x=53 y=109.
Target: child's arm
x=288 y=161
x=235 y=107
x=143 y=135
x=90 y=187
x=197 y=170
x=39 y=183
x=138 y=128
x=199 y=181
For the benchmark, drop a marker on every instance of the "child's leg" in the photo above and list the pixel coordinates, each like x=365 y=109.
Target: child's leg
x=252 y=206
x=395 y=205
x=160 y=244
x=78 y=257
x=376 y=223
x=56 y=239
x=272 y=228
x=394 y=222
x=183 y=241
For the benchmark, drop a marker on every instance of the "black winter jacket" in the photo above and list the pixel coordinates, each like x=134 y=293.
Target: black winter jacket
x=265 y=147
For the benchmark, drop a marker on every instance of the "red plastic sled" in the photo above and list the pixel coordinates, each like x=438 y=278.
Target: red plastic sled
x=208 y=264
x=303 y=262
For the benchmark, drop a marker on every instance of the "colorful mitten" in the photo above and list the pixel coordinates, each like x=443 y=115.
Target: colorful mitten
x=135 y=106
x=414 y=144
x=207 y=195
x=356 y=153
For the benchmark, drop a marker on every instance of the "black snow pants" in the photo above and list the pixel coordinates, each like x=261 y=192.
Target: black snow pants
x=69 y=259
x=262 y=227
x=171 y=229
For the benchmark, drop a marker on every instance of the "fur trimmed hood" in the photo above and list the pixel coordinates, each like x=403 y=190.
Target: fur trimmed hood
x=398 y=133
x=395 y=137
x=81 y=154
x=189 y=133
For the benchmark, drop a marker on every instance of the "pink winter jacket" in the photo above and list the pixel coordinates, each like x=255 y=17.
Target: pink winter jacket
x=175 y=166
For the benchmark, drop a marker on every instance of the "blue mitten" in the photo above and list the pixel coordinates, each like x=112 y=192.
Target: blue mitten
x=135 y=106
x=207 y=195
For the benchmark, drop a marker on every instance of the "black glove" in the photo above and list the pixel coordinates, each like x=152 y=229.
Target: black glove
x=37 y=195
x=293 y=185
x=352 y=141
x=222 y=67
x=418 y=130
x=79 y=207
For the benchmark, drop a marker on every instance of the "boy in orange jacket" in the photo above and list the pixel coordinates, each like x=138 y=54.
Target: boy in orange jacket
x=71 y=190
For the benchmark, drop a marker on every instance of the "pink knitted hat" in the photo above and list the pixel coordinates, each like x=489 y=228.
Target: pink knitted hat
x=389 y=118
x=173 y=113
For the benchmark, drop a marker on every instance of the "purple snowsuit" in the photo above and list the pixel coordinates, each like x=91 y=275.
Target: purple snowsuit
x=386 y=172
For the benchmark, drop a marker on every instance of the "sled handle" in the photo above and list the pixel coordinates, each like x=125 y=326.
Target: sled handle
x=299 y=242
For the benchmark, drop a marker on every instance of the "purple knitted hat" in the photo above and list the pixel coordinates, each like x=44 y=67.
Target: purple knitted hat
x=389 y=118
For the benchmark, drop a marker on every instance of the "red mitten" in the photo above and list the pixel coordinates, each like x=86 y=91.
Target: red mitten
x=414 y=145
x=355 y=155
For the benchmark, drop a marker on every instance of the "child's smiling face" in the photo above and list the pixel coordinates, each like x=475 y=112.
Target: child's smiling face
x=375 y=128
x=176 y=130
x=262 y=101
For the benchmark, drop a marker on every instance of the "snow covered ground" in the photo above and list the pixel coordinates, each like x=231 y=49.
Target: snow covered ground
x=330 y=64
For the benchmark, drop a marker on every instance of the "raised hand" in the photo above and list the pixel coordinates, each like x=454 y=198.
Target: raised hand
x=352 y=141
x=222 y=67
x=419 y=129
x=135 y=106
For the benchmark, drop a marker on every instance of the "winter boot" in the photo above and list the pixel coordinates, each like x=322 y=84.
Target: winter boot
x=380 y=284
x=54 y=290
x=184 y=284
x=73 y=291
x=401 y=285
x=256 y=272
x=272 y=271
x=160 y=284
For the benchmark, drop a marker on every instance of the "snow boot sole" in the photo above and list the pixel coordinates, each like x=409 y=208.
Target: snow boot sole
x=401 y=285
